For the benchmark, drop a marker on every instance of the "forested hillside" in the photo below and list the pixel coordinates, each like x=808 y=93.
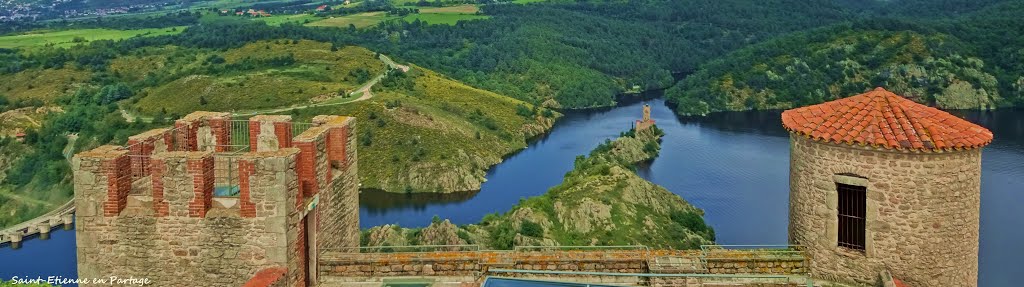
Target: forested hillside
x=972 y=62
x=583 y=54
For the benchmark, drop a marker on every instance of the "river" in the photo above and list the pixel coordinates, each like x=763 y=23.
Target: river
x=733 y=165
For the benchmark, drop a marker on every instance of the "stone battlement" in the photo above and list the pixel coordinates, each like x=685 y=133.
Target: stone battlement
x=218 y=199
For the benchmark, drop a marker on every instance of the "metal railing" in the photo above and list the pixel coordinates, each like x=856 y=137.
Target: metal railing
x=225 y=173
x=300 y=127
x=238 y=137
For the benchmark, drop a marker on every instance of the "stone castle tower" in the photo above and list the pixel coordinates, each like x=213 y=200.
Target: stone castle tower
x=881 y=183
x=645 y=122
x=213 y=201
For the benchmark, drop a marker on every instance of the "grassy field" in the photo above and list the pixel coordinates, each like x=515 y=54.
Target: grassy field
x=445 y=19
x=360 y=20
x=277 y=20
x=66 y=38
x=460 y=9
x=432 y=15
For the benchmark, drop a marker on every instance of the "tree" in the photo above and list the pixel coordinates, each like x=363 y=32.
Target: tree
x=115 y=92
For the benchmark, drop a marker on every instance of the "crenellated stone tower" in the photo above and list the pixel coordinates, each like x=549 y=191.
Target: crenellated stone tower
x=881 y=183
x=213 y=201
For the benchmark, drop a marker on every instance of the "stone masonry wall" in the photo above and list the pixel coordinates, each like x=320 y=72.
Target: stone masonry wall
x=757 y=266
x=922 y=212
x=164 y=237
x=339 y=209
x=328 y=191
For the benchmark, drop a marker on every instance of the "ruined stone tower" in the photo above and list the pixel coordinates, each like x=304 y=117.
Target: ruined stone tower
x=879 y=182
x=213 y=201
x=645 y=122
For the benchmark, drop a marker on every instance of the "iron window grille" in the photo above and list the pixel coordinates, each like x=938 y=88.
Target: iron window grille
x=852 y=210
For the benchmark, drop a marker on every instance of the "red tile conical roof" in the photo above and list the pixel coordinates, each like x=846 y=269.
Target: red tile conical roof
x=882 y=119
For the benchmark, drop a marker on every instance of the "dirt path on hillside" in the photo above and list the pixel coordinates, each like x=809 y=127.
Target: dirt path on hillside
x=366 y=91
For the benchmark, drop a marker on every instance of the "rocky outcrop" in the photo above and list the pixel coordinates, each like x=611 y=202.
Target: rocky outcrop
x=440 y=233
x=586 y=216
x=538 y=127
x=386 y=235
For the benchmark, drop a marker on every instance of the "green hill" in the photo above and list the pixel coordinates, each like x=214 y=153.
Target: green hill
x=827 y=64
x=263 y=74
x=420 y=132
x=424 y=132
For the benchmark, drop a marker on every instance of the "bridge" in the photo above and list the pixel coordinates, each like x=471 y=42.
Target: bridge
x=60 y=216
x=462 y=265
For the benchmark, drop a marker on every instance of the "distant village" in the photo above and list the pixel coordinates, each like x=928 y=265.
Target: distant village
x=11 y=10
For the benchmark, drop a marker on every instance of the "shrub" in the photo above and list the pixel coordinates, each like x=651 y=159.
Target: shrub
x=523 y=111
x=531 y=229
x=503 y=236
x=693 y=222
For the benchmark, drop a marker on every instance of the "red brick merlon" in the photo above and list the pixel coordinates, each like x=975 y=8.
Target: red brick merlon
x=200 y=167
x=113 y=165
x=270 y=132
x=268 y=277
x=208 y=131
x=246 y=168
x=144 y=145
x=321 y=148
x=882 y=119
x=338 y=131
